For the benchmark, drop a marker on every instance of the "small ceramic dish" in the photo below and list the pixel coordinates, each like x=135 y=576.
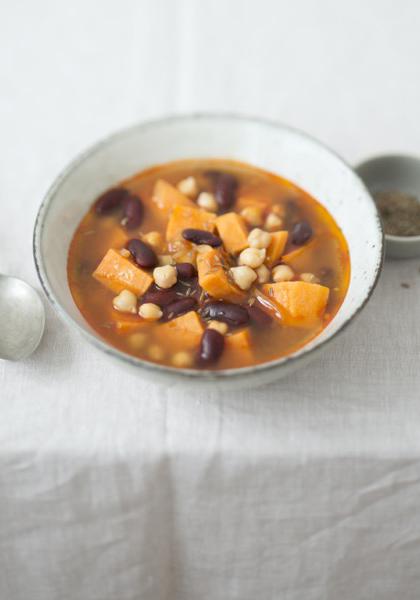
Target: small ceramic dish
x=394 y=172
x=272 y=147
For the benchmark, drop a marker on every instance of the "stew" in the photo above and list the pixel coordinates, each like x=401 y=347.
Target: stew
x=208 y=264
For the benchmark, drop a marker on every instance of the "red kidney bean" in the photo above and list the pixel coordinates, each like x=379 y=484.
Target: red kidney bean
x=327 y=275
x=186 y=270
x=159 y=297
x=301 y=233
x=199 y=236
x=229 y=313
x=110 y=200
x=133 y=211
x=197 y=291
x=225 y=186
x=292 y=208
x=179 y=307
x=259 y=316
x=142 y=253
x=211 y=346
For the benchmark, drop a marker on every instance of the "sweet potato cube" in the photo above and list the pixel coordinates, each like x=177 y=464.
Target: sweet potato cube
x=183 y=251
x=180 y=333
x=166 y=197
x=127 y=326
x=109 y=235
x=118 y=273
x=213 y=277
x=240 y=343
x=117 y=239
x=253 y=199
x=301 y=304
x=276 y=247
x=190 y=322
x=301 y=259
x=184 y=217
x=233 y=231
x=324 y=250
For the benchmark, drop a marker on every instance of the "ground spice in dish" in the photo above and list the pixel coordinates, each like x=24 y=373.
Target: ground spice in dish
x=400 y=212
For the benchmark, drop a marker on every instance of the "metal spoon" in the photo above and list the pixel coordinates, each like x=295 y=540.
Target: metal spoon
x=22 y=318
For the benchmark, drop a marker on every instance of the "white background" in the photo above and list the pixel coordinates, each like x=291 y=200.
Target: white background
x=111 y=489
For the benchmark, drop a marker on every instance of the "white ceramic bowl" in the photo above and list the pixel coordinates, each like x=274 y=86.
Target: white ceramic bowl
x=273 y=147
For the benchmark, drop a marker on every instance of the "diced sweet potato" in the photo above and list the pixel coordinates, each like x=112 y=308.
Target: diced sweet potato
x=180 y=333
x=301 y=304
x=189 y=322
x=184 y=251
x=278 y=209
x=117 y=239
x=118 y=273
x=276 y=247
x=253 y=199
x=233 y=231
x=166 y=197
x=184 y=217
x=322 y=251
x=109 y=235
x=213 y=278
x=239 y=342
x=300 y=259
x=127 y=326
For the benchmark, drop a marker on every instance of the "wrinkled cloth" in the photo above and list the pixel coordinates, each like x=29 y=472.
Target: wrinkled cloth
x=114 y=489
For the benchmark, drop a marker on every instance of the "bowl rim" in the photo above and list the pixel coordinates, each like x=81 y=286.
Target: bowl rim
x=197 y=374
x=404 y=240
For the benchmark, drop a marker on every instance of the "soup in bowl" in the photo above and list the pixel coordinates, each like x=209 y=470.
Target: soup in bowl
x=208 y=264
x=173 y=258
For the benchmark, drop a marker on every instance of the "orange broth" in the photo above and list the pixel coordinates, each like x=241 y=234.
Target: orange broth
x=293 y=317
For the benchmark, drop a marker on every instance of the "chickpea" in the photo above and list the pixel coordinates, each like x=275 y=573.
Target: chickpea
x=182 y=359
x=165 y=277
x=259 y=238
x=150 y=311
x=137 y=341
x=207 y=201
x=263 y=274
x=252 y=257
x=156 y=352
x=218 y=326
x=278 y=209
x=188 y=187
x=273 y=222
x=282 y=273
x=165 y=259
x=203 y=248
x=154 y=239
x=126 y=302
x=253 y=215
x=309 y=278
x=243 y=276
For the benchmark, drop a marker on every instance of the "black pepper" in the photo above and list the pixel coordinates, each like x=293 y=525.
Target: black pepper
x=400 y=212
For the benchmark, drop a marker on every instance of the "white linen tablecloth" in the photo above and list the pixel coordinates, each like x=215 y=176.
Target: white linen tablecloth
x=113 y=489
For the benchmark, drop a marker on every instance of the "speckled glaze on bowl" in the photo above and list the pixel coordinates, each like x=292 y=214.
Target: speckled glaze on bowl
x=267 y=145
x=394 y=172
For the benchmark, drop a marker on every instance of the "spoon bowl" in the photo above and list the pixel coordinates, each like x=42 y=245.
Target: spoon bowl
x=22 y=319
